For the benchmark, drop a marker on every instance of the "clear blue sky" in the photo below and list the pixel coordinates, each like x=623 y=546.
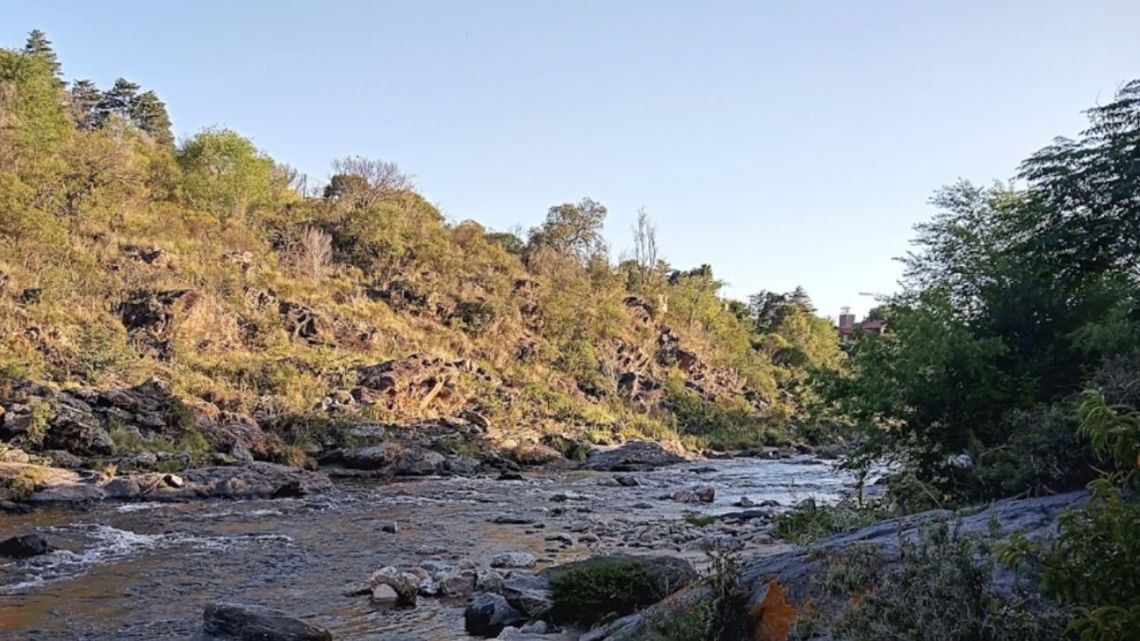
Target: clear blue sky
x=783 y=142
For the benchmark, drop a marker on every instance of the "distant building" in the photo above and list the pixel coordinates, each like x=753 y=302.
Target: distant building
x=848 y=326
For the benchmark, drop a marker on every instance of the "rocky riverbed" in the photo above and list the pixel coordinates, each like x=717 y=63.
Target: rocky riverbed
x=146 y=570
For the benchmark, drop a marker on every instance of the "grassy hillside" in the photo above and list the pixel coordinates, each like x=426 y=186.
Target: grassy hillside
x=207 y=264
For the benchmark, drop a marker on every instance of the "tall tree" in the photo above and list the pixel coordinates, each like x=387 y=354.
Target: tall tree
x=38 y=45
x=148 y=113
x=117 y=100
x=574 y=229
x=84 y=98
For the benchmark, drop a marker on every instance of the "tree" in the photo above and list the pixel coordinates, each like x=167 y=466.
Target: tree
x=362 y=182
x=644 y=246
x=33 y=123
x=769 y=309
x=573 y=229
x=224 y=173
x=84 y=98
x=148 y=113
x=117 y=100
x=38 y=45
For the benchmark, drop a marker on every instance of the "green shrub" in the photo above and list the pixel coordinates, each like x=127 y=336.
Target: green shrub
x=608 y=587
x=808 y=522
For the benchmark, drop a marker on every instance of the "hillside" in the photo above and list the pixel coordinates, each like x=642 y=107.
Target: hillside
x=179 y=293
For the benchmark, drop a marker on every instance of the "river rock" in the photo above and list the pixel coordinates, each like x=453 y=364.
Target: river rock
x=631 y=457
x=702 y=494
x=488 y=614
x=374 y=457
x=22 y=547
x=527 y=592
x=234 y=622
x=419 y=461
x=390 y=584
x=513 y=560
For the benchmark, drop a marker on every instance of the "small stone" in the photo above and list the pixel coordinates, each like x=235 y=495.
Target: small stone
x=390 y=528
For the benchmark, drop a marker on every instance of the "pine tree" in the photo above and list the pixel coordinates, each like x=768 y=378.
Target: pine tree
x=85 y=97
x=38 y=45
x=116 y=101
x=149 y=114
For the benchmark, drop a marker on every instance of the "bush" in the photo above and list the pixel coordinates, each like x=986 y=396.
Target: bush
x=941 y=590
x=808 y=522
x=1043 y=455
x=608 y=587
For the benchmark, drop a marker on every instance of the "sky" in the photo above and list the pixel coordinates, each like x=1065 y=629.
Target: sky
x=784 y=143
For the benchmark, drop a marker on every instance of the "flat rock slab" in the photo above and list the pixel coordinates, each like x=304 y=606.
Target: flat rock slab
x=236 y=622
x=631 y=457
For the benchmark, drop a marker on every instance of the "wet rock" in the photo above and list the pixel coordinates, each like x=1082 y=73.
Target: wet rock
x=390 y=584
x=22 y=547
x=562 y=497
x=527 y=592
x=511 y=520
x=419 y=461
x=627 y=481
x=390 y=528
x=488 y=614
x=513 y=560
x=375 y=457
x=511 y=476
x=460 y=465
x=702 y=494
x=234 y=622
x=744 y=501
x=630 y=457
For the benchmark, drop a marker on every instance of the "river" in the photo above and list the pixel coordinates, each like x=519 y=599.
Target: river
x=145 y=571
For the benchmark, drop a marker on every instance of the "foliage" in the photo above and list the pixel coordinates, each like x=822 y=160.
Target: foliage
x=604 y=588
x=99 y=206
x=1012 y=298
x=574 y=229
x=223 y=173
x=809 y=522
x=719 y=614
x=940 y=590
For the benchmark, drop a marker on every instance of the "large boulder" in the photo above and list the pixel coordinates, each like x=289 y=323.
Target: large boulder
x=631 y=457
x=234 y=622
x=419 y=461
x=374 y=457
x=22 y=547
x=488 y=614
x=527 y=592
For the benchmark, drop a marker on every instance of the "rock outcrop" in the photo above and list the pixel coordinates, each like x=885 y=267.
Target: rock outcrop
x=797 y=573
x=631 y=457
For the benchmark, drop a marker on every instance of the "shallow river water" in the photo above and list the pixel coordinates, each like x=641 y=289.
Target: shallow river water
x=145 y=571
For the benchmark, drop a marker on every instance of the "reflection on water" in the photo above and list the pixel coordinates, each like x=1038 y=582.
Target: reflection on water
x=146 y=570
